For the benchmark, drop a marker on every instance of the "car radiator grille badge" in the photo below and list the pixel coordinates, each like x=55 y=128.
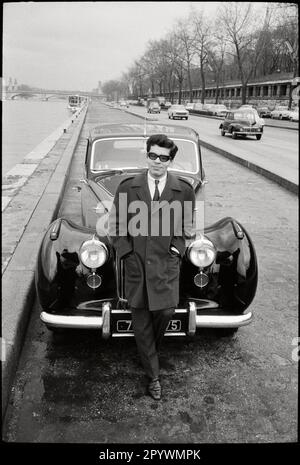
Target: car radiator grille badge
x=201 y=279
x=93 y=280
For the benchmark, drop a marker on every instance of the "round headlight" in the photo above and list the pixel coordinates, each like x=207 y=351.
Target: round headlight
x=93 y=253
x=202 y=252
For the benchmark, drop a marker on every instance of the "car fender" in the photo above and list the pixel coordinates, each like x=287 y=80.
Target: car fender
x=60 y=276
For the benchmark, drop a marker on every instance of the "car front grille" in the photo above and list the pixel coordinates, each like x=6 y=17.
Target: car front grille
x=250 y=130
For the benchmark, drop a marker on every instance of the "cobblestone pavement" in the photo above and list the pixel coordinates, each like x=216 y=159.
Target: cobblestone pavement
x=79 y=388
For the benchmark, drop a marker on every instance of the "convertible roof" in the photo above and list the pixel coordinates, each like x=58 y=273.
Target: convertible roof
x=142 y=129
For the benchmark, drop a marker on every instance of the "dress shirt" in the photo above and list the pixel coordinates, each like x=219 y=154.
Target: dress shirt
x=161 y=184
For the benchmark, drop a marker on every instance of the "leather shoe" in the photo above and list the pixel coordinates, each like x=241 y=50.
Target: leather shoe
x=154 y=389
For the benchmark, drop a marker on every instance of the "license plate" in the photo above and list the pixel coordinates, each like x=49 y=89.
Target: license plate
x=174 y=326
x=125 y=326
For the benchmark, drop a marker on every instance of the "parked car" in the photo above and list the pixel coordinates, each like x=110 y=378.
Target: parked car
x=208 y=107
x=281 y=112
x=198 y=106
x=219 y=110
x=80 y=281
x=294 y=114
x=124 y=104
x=189 y=106
x=178 y=111
x=168 y=105
x=245 y=106
x=154 y=107
x=242 y=122
x=264 y=112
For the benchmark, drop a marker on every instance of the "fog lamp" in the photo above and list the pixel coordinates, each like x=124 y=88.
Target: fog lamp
x=93 y=280
x=201 y=279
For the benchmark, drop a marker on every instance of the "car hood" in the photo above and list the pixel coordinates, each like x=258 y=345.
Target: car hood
x=246 y=122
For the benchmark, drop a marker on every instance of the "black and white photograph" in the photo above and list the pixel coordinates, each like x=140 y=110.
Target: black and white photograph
x=150 y=230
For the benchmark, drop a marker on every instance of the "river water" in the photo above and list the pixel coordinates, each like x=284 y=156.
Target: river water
x=25 y=124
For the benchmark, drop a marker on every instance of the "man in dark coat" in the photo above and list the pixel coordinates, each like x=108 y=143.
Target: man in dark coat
x=151 y=244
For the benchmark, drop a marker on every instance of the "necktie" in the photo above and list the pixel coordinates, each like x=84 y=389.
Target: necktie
x=156 y=192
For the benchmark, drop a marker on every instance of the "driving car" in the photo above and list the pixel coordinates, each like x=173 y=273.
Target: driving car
x=281 y=112
x=154 y=107
x=242 y=122
x=178 y=111
x=80 y=279
x=168 y=105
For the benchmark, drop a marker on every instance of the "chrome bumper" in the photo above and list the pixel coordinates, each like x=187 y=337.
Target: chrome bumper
x=103 y=322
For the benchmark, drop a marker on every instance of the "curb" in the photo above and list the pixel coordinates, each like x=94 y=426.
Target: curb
x=289 y=185
x=19 y=273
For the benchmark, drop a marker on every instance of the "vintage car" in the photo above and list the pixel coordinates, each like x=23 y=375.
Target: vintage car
x=154 y=107
x=294 y=115
x=189 y=106
x=178 y=111
x=280 y=112
x=80 y=280
x=242 y=122
x=219 y=110
x=264 y=112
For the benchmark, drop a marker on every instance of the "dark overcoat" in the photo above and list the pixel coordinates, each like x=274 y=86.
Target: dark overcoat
x=143 y=237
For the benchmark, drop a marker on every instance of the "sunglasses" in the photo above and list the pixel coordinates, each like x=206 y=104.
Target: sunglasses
x=163 y=158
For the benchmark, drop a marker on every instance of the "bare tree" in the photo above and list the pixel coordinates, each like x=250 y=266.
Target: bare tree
x=186 y=38
x=243 y=34
x=202 y=38
x=286 y=33
x=216 y=58
x=174 y=53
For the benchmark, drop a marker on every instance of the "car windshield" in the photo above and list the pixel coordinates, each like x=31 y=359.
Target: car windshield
x=121 y=153
x=249 y=115
x=178 y=107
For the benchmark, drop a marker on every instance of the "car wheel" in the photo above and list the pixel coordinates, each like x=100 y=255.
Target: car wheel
x=222 y=132
x=258 y=136
x=234 y=136
x=169 y=116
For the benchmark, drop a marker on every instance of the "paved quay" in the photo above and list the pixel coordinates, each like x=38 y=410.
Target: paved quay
x=72 y=388
x=32 y=194
x=33 y=204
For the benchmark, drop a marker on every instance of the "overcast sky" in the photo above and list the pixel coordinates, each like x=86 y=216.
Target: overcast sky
x=73 y=45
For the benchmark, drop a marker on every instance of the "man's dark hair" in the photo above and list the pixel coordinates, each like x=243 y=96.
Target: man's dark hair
x=162 y=141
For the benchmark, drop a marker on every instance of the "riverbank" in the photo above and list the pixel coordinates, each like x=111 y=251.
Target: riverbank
x=32 y=207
